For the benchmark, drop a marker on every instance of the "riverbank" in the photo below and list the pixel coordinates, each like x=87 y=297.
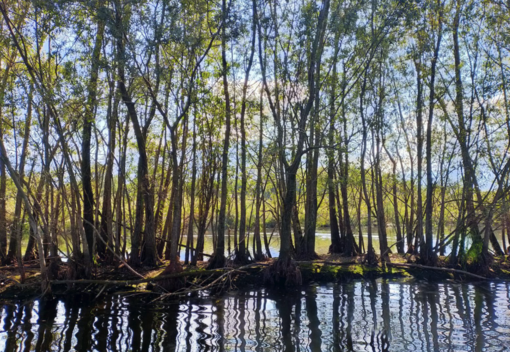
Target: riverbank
x=328 y=268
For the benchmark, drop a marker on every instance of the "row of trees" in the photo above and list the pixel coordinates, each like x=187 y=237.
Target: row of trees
x=130 y=128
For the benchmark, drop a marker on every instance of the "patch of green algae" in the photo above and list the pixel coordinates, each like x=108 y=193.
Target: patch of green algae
x=327 y=272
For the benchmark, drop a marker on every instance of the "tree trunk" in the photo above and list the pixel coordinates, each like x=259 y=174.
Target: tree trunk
x=218 y=258
x=428 y=257
x=350 y=243
x=189 y=241
x=120 y=215
x=241 y=255
x=462 y=135
x=17 y=229
x=400 y=243
x=45 y=285
x=88 y=118
x=336 y=244
x=3 y=203
x=258 y=188
x=419 y=138
x=107 y=214
x=144 y=188
x=370 y=256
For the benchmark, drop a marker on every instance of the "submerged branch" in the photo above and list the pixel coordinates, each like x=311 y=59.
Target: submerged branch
x=450 y=270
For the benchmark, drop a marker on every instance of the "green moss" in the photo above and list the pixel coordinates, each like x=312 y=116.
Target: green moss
x=474 y=252
x=330 y=273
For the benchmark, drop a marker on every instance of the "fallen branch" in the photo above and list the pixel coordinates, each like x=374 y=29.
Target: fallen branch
x=326 y=262
x=184 y=246
x=201 y=288
x=449 y=270
x=193 y=273
x=114 y=253
x=10 y=267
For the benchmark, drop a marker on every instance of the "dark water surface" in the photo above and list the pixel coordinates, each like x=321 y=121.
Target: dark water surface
x=355 y=316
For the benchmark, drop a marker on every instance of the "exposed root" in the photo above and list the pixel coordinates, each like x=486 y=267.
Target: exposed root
x=10 y=259
x=335 y=248
x=241 y=259
x=217 y=261
x=75 y=270
x=429 y=260
x=54 y=271
x=370 y=257
x=283 y=272
x=482 y=266
x=351 y=253
x=308 y=256
x=259 y=257
x=172 y=284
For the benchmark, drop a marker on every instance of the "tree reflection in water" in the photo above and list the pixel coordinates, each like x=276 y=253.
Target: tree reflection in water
x=352 y=316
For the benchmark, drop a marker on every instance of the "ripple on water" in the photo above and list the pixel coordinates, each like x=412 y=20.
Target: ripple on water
x=354 y=316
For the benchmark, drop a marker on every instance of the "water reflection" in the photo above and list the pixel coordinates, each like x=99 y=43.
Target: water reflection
x=354 y=316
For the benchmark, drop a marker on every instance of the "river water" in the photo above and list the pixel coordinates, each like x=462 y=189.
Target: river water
x=351 y=316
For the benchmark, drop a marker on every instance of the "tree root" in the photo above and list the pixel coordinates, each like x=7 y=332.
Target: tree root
x=172 y=284
x=335 y=249
x=217 y=261
x=429 y=260
x=283 y=272
x=259 y=257
x=482 y=265
x=370 y=258
x=241 y=259
x=308 y=256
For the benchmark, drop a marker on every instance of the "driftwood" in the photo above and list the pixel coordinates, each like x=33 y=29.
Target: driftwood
x=184 y=246
x=326 y=262
x=201 y=288
x=425 y=267
x=12 y=267
x=191 y=273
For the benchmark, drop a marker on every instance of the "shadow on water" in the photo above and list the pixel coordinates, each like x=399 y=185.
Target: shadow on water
x=376 y=316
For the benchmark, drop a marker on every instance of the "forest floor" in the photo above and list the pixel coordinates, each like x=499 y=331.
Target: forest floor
x=150 y=282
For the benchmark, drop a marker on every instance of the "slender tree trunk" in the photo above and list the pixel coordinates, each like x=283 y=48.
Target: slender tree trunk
x=3 y=203
x=400 y=243
x=45 y=285
x=427 y=255
x=144 y=188
x=120 y=215
x=17 y=229
x=462 y=135
x=370 y=256
x=360 y=230
x=258 y=188
x=107 y=214
x=264 y=228
x=236 y=201
x=336 y=244
x=189 y=241
x=177 y=193
x=419 y=138
x=218 y=259
x=241 y=255
x=381 y=218
x=88 y=119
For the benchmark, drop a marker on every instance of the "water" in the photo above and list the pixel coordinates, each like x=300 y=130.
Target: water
x=415 y=316
x=322 y=242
